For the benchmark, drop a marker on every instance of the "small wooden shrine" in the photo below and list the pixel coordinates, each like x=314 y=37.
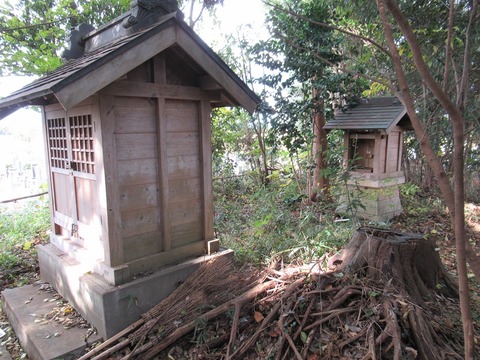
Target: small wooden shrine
x=373 y=154
x=127 y=130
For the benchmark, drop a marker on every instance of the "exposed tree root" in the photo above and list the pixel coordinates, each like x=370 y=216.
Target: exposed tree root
x=381 y=304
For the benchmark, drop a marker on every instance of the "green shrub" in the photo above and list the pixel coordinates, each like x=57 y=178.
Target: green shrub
x=272 y=222
x=21 y=227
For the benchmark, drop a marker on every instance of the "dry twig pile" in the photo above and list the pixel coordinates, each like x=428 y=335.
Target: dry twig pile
x=366 y=309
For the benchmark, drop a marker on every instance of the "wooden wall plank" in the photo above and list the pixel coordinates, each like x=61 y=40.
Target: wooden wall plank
x=137 y=171
x=392 y=152
x=86 y=196
x=184 y=189
x=187 y=233
x=181 y=167
x=64 y=199
x=141 y=246
x=182 y=143
x=139 y=221
x=138 y=196
x=135 y=116
x=184 y=212
x=182 y=116
x=379 y=154
x=136 y=146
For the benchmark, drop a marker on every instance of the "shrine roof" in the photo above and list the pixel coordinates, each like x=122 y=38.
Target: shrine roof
x=372 y=114
x=109 y=59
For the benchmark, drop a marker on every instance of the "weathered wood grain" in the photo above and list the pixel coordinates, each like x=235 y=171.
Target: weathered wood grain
x=140 y=221
x=136 y=146
x=138 y=196
x=111 y=224
x=137 y=171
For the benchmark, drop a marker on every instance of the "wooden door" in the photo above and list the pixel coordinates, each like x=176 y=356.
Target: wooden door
x=70 y=139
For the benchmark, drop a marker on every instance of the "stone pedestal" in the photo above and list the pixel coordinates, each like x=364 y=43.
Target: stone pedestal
x=111 y=308
x=377 y=201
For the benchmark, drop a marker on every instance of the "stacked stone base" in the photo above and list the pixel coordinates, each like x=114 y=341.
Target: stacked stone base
x=373 y=204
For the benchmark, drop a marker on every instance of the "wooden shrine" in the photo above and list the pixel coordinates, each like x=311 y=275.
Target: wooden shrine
x=127 y=132
x=373 y=154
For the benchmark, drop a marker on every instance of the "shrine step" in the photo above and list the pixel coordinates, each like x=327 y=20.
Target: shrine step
x=40 y=338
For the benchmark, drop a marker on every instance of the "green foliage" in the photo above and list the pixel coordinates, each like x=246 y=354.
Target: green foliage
x=301 y=56
x=273 y=222
x=21 y=228
x=200 y=335
x=33 y=33
x=418 y=204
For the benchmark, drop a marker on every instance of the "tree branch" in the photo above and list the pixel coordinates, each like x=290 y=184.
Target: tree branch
x=448 y=46
x=328 y=62
x=328 y=26
x=422 y=67
x=32 y=26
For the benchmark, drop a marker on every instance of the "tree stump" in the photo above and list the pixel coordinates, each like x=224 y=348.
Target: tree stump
x=408 y=261
x=405 y=264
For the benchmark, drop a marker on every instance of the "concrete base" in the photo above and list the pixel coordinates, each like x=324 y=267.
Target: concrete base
x=44 y=339
x=110 y=308
x=380 y=204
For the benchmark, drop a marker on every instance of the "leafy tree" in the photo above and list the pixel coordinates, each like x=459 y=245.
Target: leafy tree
x=453 y=105
x=33 y=33
x=305 y=88
x=413 y=47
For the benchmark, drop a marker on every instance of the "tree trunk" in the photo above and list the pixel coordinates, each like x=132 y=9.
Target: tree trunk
x=453 y=199
x=321 y=183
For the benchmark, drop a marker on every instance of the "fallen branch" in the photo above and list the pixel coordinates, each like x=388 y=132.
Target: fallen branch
x=112 y=340
x=183 y=330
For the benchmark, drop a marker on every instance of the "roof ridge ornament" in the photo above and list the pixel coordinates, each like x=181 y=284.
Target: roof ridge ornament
x=142 y=10
x=76 y=43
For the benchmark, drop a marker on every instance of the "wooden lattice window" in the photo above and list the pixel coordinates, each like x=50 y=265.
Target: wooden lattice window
x=57 y=141
x=81 y=132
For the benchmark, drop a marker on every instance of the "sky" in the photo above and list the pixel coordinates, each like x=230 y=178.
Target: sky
x=23 y=119
x=232 y=15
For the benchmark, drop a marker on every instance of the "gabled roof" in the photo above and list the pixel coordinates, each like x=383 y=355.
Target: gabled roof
x=373 y=114
x=80 y=78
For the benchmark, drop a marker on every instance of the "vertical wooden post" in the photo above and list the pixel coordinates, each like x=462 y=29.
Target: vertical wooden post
x=377 y=151
x=160 y=77
x=166 y=229
x=348 y=152
x=400 y=150
x=48 y=167
x=100 y=214
x=111 y=219
x=206 y=156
